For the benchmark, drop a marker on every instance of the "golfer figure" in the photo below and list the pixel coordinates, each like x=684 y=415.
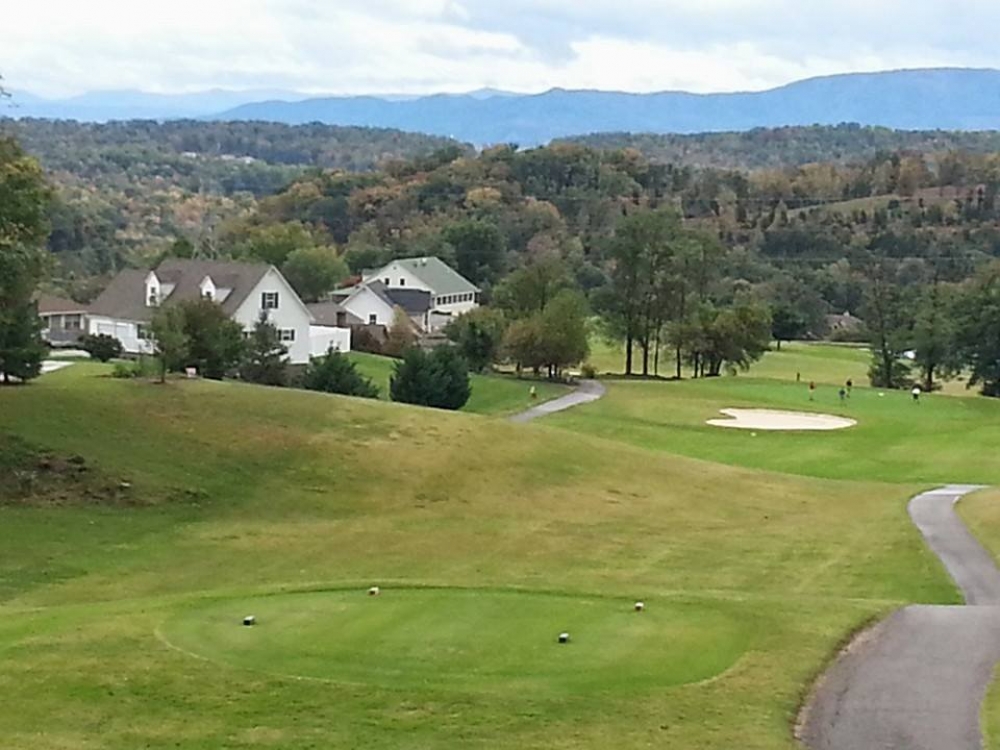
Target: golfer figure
x=916 y=394
x=850 y=385
x=533 y=393
x=812 y=389
x=843 y=395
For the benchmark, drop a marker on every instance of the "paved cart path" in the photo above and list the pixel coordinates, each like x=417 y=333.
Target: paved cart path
x=916 y=681
x=587 y=391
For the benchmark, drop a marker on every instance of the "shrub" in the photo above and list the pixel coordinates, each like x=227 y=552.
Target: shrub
x=439 y=379
x=335 y=373
x=101 y=346
x=588 y=371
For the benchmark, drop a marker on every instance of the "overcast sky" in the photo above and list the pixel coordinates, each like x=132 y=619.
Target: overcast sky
x=60 y=47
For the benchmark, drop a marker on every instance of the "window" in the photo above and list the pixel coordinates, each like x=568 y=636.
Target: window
x=73 y=322
x=211 y=297
x=141 y=333
x=402 y=281
x=269 y=301
x=286 y=334
x=386 y=280
x=373 y=319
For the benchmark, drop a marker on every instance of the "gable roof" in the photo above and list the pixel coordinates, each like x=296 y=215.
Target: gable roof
x=49 y=304
x=125 y=297
x=438 y=275
x=326 y=313
x=413 y=301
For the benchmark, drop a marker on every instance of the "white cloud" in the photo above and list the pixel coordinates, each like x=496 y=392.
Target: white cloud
x=60 y=47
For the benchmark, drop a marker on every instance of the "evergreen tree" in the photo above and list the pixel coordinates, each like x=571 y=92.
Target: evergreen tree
x=265 y=358
x=170 y=342
x=335 y=373
x=438 y=379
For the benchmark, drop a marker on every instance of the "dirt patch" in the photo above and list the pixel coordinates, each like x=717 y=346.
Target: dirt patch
x=771 y=419
x=30 y=475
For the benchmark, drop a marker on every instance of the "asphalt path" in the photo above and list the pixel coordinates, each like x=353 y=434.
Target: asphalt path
x=587 y=391
x=916 y=680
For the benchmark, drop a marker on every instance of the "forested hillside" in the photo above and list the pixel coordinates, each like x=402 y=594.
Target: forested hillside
x=126 y=190
x=714 y=253
x=790 y=146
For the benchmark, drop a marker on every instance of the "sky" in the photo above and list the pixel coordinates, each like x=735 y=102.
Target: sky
x=65 y=47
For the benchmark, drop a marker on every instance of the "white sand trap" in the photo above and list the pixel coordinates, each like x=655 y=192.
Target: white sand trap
x=770 y=419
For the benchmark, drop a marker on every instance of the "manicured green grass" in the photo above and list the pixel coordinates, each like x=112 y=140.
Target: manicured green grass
x=491 y=394
x=981 y=513
x=939 y=440
x=829 y=364
x=494 y=641
x=119 y=628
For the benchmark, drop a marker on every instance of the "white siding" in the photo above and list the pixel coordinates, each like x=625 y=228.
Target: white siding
x=126 y=331
x=456 y=304
x=290 y=314
x=321 y=338
x=364 y=303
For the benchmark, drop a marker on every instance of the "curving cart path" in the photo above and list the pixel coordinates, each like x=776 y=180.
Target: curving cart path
x=916 y=680
x=587 y=391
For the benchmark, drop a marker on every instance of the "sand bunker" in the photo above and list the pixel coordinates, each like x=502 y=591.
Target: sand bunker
x=769 y=419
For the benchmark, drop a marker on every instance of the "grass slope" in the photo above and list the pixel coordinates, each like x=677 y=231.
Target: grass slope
x=491 y=394
x=119 y=626
x=981 y=513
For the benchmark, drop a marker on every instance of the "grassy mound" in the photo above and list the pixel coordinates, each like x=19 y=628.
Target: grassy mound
x=30 y=475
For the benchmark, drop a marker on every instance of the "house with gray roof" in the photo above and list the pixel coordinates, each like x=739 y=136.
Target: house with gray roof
x=63 y=320
x=375 y=305
x=243 y=290
x=450 y=293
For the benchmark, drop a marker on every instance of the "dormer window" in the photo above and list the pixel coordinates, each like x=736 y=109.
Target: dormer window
x=152 y=291
x=207 y=288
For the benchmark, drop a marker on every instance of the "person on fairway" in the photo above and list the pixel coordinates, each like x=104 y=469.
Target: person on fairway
x=812 y=389
x=916 y=394
x=850 y=385
x=843 y=395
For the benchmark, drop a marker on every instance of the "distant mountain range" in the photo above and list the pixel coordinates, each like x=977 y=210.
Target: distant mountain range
x=933 y=99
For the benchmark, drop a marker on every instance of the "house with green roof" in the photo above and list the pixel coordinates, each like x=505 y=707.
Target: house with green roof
x=451 y=294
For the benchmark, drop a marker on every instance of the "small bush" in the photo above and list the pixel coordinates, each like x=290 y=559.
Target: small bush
x=588 y=371
x=101 y=346
x=144 y=367
x=125 y=370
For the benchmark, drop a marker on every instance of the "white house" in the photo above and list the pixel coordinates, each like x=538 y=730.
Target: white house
x=373 y=304
x=451 y=293
x=243 y=290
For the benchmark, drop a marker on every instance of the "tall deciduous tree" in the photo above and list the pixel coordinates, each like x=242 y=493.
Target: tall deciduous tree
x=978 y=329
x=215 y=341
x=314 y=271
x=24 y=199
x=478 y=334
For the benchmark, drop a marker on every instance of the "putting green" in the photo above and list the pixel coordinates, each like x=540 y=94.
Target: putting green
x=464 y=639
